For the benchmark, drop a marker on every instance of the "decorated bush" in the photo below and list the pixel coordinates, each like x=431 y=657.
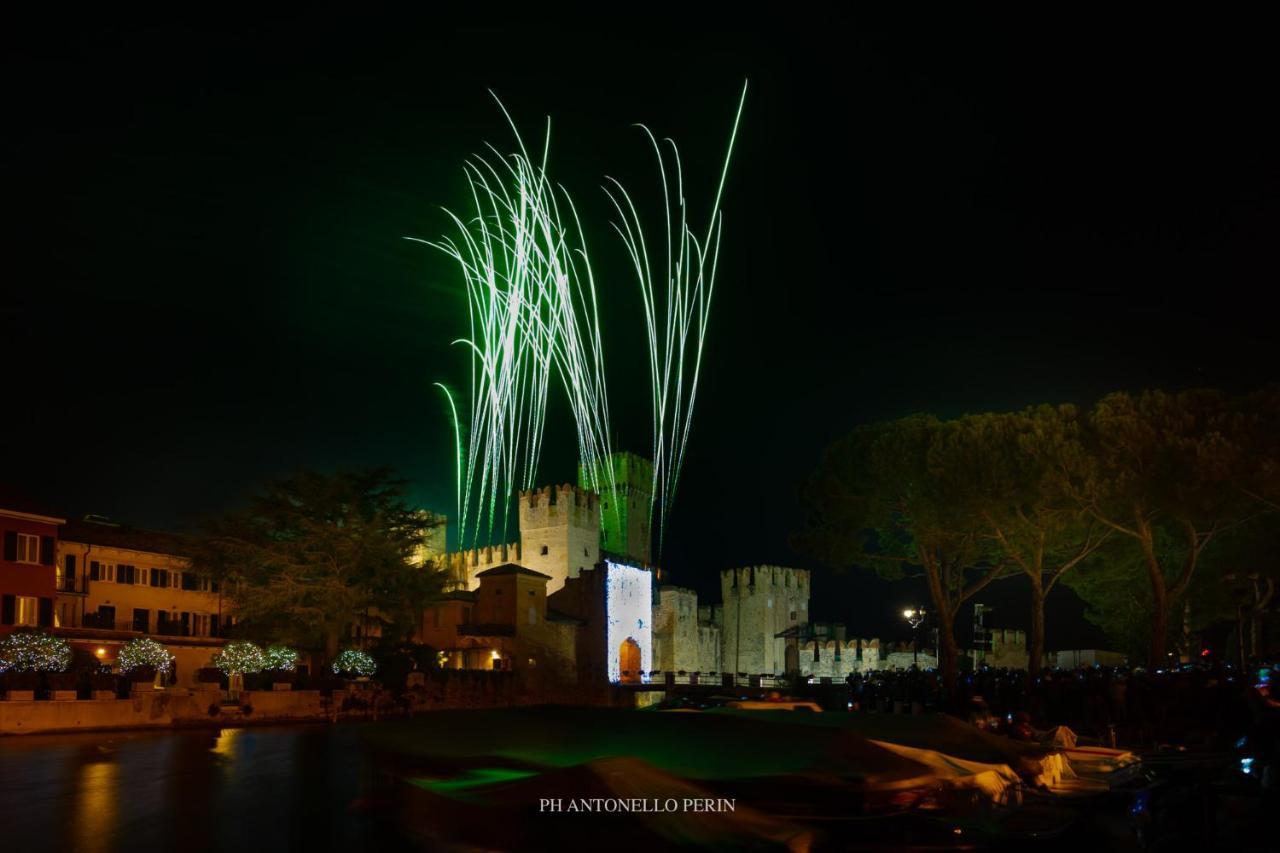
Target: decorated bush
x=280 y=659
x=33 y=651
x=144 y=652
x=240 y=657
x=353 y=663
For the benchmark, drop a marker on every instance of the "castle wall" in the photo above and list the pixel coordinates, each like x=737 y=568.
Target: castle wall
x=709 y=641
x=1008 y=649
x=760 y=602
x=675 y=630
x=463 y=566
x=837 y=659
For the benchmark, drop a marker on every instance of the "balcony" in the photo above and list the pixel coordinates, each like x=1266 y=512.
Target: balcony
x=76 y=586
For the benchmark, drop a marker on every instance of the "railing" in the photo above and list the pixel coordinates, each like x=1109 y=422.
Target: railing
x=705 y=679
x=78 y=585
x=99 y=621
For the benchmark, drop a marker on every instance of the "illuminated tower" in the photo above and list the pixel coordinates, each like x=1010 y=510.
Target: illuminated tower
x=624 y=515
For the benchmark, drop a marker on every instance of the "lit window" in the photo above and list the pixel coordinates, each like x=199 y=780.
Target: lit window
x=26 y=610
x=28 y=548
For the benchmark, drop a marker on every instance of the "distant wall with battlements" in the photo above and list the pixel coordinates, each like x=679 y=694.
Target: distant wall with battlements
x=837 y=660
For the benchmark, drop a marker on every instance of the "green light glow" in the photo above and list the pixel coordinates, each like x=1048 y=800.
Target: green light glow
x=533 y=309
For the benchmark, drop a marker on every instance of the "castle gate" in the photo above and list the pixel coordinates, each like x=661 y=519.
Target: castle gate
x=629 y=661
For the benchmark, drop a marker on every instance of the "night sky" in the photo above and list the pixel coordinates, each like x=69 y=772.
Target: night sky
x=207 y=285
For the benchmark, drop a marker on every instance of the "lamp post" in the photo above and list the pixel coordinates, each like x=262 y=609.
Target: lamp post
x=915 y=616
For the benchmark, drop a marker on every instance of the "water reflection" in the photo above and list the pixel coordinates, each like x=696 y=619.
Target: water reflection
x=95 y=783
x=282 y=788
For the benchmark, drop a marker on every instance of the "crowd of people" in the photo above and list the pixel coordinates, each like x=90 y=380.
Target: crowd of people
x=1194 y=705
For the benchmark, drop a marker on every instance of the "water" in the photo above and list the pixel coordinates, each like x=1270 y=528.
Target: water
x=279 y=788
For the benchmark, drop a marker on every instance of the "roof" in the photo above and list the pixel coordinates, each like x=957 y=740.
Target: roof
x=111 y=535
x=510 y=569
x=459 y=595
x=557 y=616
x=19 y=504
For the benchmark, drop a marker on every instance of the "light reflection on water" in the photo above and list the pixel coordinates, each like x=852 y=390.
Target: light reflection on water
x=95 y=805
x=231 y=789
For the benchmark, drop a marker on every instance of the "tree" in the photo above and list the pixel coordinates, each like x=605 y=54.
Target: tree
x=1177 y=466
x=883 y=497
x=1005 y=468
x=313 y=551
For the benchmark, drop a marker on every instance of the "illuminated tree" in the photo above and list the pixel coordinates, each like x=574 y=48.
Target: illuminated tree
x=240 y=657
x=144 y=651
x=280 y=659
x=313 y=551
x=882 y=497
x=353 y=663
x=34 y=651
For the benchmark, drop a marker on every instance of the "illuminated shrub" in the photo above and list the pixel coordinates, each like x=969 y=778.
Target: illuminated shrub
x=30 y=651
x=144 y=652
x=240 y=657
x=353 y=663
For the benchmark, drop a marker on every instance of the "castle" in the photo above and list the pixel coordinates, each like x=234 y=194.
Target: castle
x=586 y=560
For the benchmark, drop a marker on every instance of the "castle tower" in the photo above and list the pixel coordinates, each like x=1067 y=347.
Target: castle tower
x=559 y=532
x=624 y=515
x=760 y=602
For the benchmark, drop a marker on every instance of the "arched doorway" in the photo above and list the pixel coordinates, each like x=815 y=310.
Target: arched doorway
x=792 y=655
x=629 y=661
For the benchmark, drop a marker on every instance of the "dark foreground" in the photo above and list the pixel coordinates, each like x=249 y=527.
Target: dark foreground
x=473 y=780
x=271 y=788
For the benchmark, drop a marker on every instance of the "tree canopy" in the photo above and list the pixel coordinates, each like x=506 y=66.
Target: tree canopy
x=311 y=553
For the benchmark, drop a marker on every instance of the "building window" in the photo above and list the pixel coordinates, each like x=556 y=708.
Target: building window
x=586 y=553
x=793 y=616
x=533 y=616
x=544 y=550
x=28 y=549
x=26 y=610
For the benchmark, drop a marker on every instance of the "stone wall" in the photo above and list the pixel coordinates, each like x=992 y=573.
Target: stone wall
x=838 y=660
x=675 y=631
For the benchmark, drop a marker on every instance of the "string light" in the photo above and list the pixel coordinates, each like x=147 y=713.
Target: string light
x=24 y=651
x=354 y=662
x=240 y=657
x=280 y=659
x=144 y=652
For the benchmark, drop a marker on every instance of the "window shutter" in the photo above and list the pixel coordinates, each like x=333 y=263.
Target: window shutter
x=46 y=550
x=45 y=615
x=95 y=569
x=11 y=547
x=6 y=609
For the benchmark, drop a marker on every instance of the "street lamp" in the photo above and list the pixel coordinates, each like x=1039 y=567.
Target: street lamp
x=915 y=616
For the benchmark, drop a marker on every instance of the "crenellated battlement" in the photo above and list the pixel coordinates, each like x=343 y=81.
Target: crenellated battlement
x=462 y=566
x=555 y=506
x=781 y=577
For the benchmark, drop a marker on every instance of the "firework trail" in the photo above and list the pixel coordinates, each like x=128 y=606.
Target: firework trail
x=677 y=303
x=532 y=312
